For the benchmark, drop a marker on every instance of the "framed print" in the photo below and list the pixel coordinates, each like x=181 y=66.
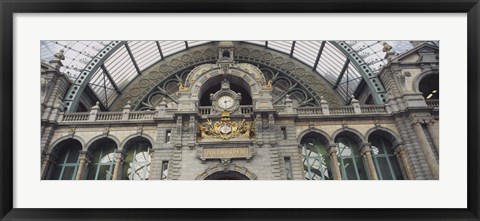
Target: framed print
x=210 y=110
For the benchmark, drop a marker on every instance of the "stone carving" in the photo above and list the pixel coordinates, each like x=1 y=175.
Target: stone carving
x=401 y=78
x=268 y=85
x=59 y=57
x=43 y=87
x=225 y=128
x=386 y=47
x=182 y=87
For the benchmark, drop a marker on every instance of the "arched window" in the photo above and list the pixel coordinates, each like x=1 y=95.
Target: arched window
x=103 y=160
x=350 y=159
x=429 y=87
x=384 y=159
x=136 y=165
x=67 y=161
x=316 y=159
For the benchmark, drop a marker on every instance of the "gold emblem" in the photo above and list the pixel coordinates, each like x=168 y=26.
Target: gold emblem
x=182 y=87
x=268 y=85
x=225 y=128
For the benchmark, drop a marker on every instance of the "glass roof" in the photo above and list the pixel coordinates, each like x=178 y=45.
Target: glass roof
x=135 y=56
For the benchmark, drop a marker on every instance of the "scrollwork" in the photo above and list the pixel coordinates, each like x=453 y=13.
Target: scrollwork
x=226 y=129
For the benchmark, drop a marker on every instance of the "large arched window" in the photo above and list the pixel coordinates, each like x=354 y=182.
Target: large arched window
x=103 y=160
x=429 y=87
x=350 y=159
x=136 y=165
x=67 y=160
x=384 y=159
x=316 y=159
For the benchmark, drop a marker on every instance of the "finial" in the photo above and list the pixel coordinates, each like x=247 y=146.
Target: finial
x=386 y=47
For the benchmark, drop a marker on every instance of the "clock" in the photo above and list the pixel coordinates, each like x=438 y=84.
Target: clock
x=226 y=102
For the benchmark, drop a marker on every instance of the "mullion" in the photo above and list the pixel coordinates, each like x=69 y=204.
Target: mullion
x=387 y=156
x=320 y=159
x=63 y=164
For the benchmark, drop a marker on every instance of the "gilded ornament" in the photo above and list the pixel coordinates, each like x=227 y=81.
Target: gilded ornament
x=225 y=128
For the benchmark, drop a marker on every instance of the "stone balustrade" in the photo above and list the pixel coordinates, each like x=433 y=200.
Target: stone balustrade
x=432 y=103
x=134 y=116
x=141 y=115
x=347 y=110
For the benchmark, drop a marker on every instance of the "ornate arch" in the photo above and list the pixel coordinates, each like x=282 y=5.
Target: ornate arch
x=172 y=67
x=133 y=136
x=360 y=138
x=314 y=130
x=87 y=147
x=387 y=133
x=203 y=73
x=54 y=144
x=221 y=168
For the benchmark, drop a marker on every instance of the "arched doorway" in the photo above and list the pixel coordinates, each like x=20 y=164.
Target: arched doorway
x=230 y=175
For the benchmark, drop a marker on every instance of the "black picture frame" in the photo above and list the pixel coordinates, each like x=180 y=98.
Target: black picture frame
x=9 y=7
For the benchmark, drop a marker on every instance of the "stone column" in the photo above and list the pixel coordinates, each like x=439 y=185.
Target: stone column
x=47 y=164
x=367 y=156
x=335 y=165
x=433 y=131
x=84 y=157
x=117 y=171
x=426 y=149
x=402 y=157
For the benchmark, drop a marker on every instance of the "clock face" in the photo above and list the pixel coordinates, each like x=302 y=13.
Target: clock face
x=225 y=102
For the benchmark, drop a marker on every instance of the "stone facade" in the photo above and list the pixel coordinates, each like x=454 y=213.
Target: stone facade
x=275 y=149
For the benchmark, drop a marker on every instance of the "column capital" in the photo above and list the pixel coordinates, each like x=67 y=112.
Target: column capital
x=85 y=155
x=119 y=155
x=49 y=158
x=417 y=123
x=366 y=148
x=400 y=148
x=332 y=150
x=430 y=122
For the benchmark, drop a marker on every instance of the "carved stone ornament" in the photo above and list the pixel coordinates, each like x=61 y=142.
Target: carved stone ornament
x=225 y=128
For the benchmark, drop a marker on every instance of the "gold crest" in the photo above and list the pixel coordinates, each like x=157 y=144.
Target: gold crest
x=225 y=128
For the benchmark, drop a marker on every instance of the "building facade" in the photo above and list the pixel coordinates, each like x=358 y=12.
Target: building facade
x=242 y=111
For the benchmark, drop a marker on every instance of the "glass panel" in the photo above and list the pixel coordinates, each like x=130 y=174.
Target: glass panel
x=164 y=170
x=105 y=172
x=137 y=161
x=384 y=168
x=68 y=173
x=103 y=160
x=387 y=165
x=396 y=167
x=362 y=171
x=349 y=167
x=92 y=169
x=196 y=43
x=171 y=47
x=307 y=51
x=73 y=154
x=316 y=159
x=77 y=54
x=282 y=46
x=145 y=53
x=349 y=154
x=57 y=172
